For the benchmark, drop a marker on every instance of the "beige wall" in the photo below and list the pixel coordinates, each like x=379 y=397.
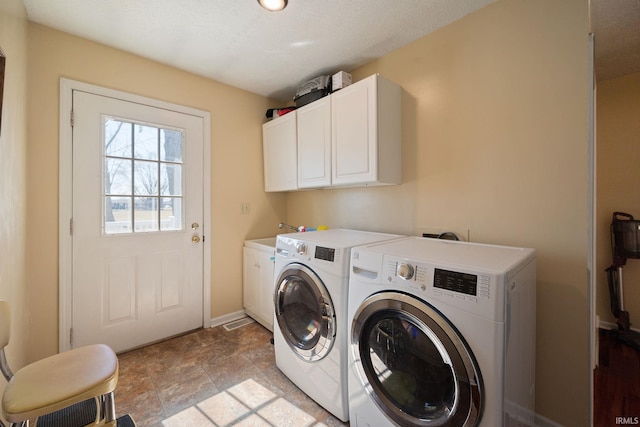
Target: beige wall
x=618 y=154
x=236 y=161
x=13 y=179
x=495 y=145
x=495 y=131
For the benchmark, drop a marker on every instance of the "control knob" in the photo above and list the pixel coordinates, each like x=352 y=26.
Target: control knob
x=405 y=271
x=301 y=248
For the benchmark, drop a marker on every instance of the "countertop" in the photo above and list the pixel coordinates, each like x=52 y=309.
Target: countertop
x=268 y=243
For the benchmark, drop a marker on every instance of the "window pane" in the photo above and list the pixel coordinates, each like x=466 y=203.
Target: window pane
x=142 y=164
x=145 y=142
x=171 y=176
x=117 y=176
x=146 y=214
x=170 y=145
x=117 y=215
x=145 y=178
x=171 y=213
x=117 y=138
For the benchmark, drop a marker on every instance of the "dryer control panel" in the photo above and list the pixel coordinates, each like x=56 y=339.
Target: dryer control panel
x=473 y=290
x=473 y=277
x=333 y=260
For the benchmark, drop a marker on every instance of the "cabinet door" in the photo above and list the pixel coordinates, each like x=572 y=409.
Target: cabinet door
x=280 y=154
x=251 y=276
x=267 y=288
x=314 y=144
x=354 y=133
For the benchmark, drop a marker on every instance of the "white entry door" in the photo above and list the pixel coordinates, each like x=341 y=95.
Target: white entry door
x=137 y=221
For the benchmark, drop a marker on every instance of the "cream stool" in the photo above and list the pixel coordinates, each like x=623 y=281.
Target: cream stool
x=59 y=381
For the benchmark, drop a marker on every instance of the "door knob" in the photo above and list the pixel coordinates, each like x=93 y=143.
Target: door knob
x=195 y=239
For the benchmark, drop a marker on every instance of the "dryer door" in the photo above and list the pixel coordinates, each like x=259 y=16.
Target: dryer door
x=414 y=364
x=304 y=312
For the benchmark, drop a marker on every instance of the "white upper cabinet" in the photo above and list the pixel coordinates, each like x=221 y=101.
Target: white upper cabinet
x=367 y=133
x=279 y=147
x=314 y=144
x=350 y=138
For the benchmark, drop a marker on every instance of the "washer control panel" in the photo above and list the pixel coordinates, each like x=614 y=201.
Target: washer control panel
x=325 y=257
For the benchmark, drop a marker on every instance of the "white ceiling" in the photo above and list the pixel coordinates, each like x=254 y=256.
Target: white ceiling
x=239 y=43
x=272 y=53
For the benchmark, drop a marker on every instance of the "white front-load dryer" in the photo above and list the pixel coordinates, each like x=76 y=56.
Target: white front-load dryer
x=442 y=334
x=310 y=301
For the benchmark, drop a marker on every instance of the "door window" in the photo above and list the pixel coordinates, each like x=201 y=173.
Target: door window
x=304 y=312
x=409 y=366
x=416 y=368
x=142 y=178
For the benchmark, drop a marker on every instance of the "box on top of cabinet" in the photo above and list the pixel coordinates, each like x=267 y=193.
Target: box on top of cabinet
x=340 y=80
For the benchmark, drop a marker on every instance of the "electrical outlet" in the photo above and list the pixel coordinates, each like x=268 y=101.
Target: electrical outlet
x=245 y=208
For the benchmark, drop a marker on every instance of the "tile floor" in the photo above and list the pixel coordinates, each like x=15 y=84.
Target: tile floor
x=213 y=377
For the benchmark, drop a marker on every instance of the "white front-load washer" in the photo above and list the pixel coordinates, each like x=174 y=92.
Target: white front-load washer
x=310 y=303
x=442 y=334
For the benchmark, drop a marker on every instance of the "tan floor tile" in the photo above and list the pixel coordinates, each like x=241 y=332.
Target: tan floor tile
x=213 y=374
x=282 y=413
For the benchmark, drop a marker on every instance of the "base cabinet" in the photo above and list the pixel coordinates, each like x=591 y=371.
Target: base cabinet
x=257 y=284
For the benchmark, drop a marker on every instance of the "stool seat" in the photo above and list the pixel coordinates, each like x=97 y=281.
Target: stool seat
x=59 y=381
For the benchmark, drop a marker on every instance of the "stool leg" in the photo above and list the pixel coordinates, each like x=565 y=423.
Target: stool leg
x=109 y=407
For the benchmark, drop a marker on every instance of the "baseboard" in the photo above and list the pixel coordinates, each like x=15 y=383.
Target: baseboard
x=609 y=326
x=221 y=320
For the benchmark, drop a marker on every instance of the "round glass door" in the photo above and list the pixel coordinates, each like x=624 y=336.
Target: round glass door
x=414 y=364
x=304 y=312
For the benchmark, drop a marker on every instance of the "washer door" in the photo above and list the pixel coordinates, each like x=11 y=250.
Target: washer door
x=304 y=312
x=414 y=364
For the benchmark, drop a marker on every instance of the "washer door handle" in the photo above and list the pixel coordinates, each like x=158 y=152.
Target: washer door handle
x=277 y=298
x=329 y=316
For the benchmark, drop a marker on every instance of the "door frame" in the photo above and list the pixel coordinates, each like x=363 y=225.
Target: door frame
x=65 y=209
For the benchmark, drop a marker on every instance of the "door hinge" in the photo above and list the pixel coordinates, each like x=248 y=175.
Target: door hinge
x=71 y=227
x=71 y=118
x=71 y=337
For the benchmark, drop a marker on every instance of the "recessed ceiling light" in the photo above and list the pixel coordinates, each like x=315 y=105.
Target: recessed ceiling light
x=273 y=5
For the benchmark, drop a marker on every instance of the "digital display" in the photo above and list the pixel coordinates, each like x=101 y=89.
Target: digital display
x=326 y=254
x=457 y=282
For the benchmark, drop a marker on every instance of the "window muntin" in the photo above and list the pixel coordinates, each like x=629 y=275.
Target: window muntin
x=143 y=178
